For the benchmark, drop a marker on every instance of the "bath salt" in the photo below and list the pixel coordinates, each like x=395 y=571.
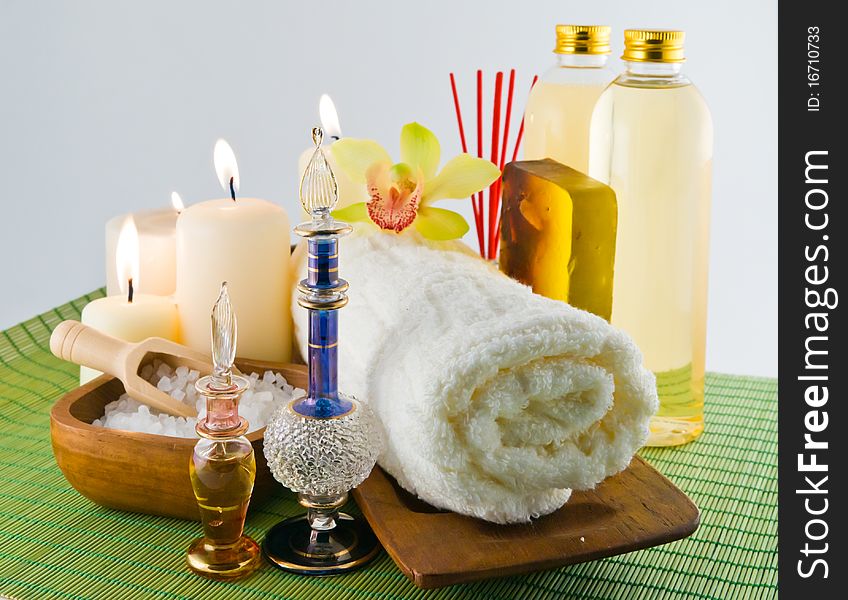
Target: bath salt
x=267 y=392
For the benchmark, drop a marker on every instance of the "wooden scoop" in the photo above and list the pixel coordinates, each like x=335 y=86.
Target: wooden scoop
x=84 y=345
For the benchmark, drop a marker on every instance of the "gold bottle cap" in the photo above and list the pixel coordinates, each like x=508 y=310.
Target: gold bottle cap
x=582 y=39
x=653 y=45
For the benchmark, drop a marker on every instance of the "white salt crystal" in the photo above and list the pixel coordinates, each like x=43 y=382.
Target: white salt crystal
x=266 y=393
x=262 y=397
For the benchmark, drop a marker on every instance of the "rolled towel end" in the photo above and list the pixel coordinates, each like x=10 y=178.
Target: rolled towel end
x=496 y=402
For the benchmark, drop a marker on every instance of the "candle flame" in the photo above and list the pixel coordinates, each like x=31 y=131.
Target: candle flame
x=177 y=202
x=329 y=117
x=225 y=165
x=126 y=255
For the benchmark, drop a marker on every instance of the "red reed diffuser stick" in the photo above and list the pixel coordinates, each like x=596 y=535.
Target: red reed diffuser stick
x=478 y=220
x=496 y=130
x=480 y=147
x=488 y=225
x=521 y=127
x=494 y=235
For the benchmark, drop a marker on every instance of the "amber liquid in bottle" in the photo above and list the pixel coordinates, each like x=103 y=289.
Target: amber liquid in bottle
x=222 y=474
x=222 y=470
x=652 y=142
x=559 y=110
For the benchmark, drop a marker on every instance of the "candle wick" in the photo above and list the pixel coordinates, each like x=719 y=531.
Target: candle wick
x=130 y=291
x=232 y=188
x=335 y=138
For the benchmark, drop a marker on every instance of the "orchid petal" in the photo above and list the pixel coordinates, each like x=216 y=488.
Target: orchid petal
x=440 y=224
x=354 y=156
x=355 y=213
x=419 y=148
x=461 y=177
x=401 y=172
x=393 y=204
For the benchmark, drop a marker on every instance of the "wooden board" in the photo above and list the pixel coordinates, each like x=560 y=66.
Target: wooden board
x=635 y=509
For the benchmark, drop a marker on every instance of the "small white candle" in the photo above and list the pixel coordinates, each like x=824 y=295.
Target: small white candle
x=157 y=246
x=350 y=192
x=129 y=315
x=245 y=242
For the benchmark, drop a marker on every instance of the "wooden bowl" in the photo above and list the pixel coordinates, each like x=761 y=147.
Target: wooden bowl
x=140 y=472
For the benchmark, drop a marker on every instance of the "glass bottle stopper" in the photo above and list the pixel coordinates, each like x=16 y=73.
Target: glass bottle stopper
x=222 y=389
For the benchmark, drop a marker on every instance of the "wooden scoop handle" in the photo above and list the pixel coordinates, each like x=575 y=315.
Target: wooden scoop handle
x=84 y=345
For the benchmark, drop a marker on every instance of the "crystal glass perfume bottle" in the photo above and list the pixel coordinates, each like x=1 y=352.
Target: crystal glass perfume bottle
x=560 y=105
x=326 y=443
x=223 y=466
x=652 y=142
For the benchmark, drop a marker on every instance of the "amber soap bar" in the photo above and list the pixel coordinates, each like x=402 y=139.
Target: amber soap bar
x=558 y=230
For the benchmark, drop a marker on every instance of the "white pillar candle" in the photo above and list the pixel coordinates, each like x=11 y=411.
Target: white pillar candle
x=350 y=192
x=131 y=317
x=157 y=246
x=244 y=242
x=146 y=316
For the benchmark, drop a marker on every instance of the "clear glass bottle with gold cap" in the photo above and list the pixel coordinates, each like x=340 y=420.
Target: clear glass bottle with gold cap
x=556 y=122
x=223 y=466
x=652 y=142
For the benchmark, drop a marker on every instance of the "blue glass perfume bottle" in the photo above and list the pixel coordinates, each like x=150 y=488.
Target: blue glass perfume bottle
x=325 y=443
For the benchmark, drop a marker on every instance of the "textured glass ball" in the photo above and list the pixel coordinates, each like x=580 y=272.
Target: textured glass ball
x=322 y=457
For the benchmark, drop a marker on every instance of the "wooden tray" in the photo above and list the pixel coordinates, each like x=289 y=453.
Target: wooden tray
x=635 y=509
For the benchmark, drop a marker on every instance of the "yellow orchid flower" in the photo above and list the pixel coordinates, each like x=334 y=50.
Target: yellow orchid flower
x=402 y=194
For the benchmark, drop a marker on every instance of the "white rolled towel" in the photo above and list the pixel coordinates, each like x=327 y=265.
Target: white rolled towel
x=495 y=402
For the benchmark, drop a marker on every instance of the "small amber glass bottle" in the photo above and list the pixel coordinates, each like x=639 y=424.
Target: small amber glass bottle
x=223 y=467
x=222 y=470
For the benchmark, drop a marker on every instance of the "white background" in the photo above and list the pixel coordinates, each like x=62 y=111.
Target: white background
x=107 y=106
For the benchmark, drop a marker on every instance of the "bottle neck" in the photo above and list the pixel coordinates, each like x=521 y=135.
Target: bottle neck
x=653 y=75
x=653 y=69
x=222 y=418
x=582 y=61
x=222 y=414
x=323 y=274
x=323 y=293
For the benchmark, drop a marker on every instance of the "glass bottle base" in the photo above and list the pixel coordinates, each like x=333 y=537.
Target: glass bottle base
x=223 y=563
x=292 y=545
x=674 y=431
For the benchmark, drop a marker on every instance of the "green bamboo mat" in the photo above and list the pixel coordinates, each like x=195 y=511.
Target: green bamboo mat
x=56 y=544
